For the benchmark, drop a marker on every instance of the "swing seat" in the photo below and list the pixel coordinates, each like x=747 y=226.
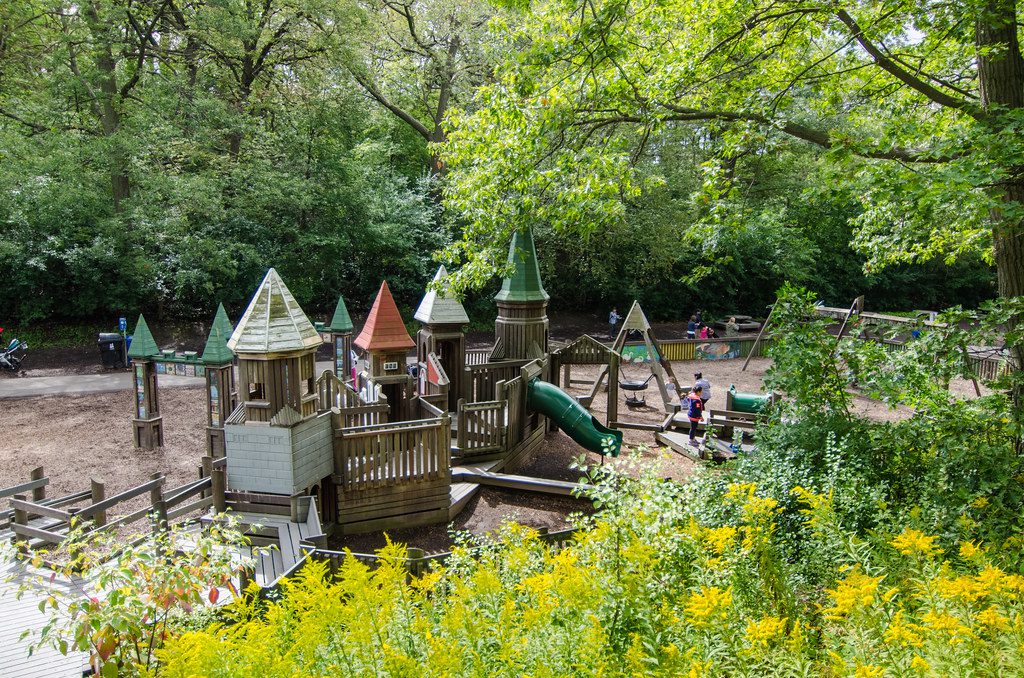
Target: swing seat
x=633 y=388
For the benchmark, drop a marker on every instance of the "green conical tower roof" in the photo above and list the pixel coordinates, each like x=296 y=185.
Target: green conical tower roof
x=274 y=322
x=217 y=351
x=524 y=284
x=341 y=322
x=143 y=344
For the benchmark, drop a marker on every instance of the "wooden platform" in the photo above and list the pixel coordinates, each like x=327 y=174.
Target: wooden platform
x=17 y=616
x=712 y=449
x=678 y=442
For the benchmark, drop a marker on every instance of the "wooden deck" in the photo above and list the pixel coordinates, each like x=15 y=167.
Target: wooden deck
x=17 y=616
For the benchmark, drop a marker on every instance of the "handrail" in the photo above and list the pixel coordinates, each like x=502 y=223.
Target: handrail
x=123 y=496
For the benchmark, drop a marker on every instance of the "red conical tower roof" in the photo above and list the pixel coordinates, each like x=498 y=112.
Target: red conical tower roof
x=384 y=329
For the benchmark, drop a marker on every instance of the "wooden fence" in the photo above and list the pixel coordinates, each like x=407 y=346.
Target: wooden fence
x=512 y=392
x=481 y=428
x=334 y=393
x=984 y=367
x=416 y=562
x=38 y=523
x=384 y=455
x=686 y=349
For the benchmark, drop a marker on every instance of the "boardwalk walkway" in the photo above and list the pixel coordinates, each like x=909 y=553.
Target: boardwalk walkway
x=17 y=616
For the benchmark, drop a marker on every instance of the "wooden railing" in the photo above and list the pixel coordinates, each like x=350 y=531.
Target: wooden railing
x=429 y=409
x=478 y=356
x=481 y=380
x=385 y=455
x=512 y=393
x=481 y=428
x=162 y=508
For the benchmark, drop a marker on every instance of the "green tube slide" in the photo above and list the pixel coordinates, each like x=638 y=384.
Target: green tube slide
x=573 y=418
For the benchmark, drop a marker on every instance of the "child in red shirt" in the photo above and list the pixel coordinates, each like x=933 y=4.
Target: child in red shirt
x=695 y=411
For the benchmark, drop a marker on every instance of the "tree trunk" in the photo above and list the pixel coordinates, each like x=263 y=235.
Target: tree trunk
x=107 y=109
x=1001 y=87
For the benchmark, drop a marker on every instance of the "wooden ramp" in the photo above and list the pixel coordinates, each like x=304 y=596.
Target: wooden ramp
x=284 y=537
x=18 y=616
x=514 y=482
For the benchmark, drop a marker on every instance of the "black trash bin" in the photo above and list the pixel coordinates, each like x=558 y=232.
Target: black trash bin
x=111 y=349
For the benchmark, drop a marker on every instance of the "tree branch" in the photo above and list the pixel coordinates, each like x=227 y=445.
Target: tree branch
x=400 y=113
x=891 y=67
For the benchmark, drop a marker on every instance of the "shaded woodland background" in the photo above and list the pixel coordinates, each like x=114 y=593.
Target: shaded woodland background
x=160 y=155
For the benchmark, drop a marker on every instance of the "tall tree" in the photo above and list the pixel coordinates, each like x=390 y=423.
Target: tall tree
x=417 y=58
x=921 y=101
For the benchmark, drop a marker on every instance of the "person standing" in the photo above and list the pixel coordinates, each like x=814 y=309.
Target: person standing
x=691 y=327
x=613 y=319
x=694 y=411
x=705 y=387
x=732 y=328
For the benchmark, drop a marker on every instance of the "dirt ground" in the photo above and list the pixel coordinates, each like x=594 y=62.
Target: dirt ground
x=75 y=438
x=80 y=437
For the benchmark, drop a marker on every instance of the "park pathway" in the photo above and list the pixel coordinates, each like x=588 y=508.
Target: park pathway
x=82 y=384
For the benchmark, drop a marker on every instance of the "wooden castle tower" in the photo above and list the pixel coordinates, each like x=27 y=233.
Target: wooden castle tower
x=221 y=394
x=275 y=440
x=442 y=320
x=521 y=329
x=341 y=341
x=387 y=342
x=148 y=425
x=275 y=344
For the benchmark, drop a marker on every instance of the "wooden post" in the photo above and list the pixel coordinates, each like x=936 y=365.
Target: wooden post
x=753 y=349
x=20 y=518
x=613 y=391
x=38 y=493
x=414 y=561
x=156 y=497
x=98 y=491
x=293 y=504
x=218 y=487
x=207 y=472
x=967 y=364
x=855 y=308
x=245 y=575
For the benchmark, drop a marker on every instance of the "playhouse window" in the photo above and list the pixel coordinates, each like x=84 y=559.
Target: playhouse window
x=257 y=392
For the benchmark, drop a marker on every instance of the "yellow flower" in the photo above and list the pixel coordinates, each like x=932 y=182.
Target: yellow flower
x=944 y=622
x=919 y=664
x=710 y=603
x=763 y=630
x=991 y=619
x=741 y=491
x=903 y=634
x=720 y=538
x=961 y=588
x=868 y=671
x=968 y=550
x=911 y=542
x=980 y=503
x=856 y=591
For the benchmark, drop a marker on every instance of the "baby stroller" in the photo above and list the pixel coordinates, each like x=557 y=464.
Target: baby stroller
x=11 y=357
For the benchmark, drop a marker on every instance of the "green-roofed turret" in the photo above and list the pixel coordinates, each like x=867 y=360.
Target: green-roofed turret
x=143 y=345
x=524 y=283
x=341 y=322
x=217 y=351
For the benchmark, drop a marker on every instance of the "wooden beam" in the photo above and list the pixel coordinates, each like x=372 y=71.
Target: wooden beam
x=753 y=349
